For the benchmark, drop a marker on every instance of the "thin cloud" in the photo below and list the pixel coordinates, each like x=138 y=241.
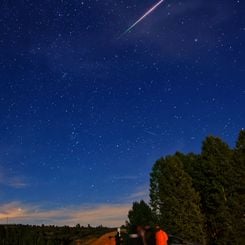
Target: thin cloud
x=110 y=215
x=141 y=193
x=126 y=177
x=9 y=180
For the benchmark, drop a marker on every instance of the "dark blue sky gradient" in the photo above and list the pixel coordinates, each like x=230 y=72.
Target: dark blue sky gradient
x=84 y=115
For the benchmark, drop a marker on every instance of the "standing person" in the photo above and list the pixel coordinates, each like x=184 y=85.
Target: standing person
x=161 y=236
x=141 y=233
x=149 y=236
x=135 y=237
x=118 y=237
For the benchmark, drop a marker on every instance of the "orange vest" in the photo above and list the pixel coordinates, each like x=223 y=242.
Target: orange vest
x=161 y=238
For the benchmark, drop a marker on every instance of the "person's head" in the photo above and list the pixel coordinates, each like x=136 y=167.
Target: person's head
x=139 y=228
x=157 y=227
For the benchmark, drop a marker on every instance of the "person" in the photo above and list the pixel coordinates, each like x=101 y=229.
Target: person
x=135 y=237
x=161 y=236
x=118 y=237
x=149 y=236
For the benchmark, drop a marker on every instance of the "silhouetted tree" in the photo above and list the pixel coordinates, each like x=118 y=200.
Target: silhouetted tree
x=236 y=198
x=175 y=203
x=140 y=214
x=214 y=185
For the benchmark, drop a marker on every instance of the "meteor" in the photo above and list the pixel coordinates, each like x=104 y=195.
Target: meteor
x=141 y=18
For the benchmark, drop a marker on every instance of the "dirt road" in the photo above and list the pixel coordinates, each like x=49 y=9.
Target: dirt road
x=105 y=239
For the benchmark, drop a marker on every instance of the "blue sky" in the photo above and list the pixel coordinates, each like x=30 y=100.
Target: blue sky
x=84 y=115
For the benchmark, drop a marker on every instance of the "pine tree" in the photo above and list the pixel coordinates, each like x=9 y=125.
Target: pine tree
x=140 y=214
x=174 y=201
x=155 y=201
x=215 y=174
x=237 y=196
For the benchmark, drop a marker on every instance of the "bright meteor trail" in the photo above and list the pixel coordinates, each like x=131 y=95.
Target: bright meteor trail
x=141 y=18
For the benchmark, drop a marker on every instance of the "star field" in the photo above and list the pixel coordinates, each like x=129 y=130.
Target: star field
x=84 y=115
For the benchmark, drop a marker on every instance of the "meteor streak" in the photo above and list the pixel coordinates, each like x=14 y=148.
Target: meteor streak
x=141 y=18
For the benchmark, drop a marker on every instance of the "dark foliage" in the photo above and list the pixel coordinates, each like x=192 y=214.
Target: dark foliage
x=175 y=202
x=201 y=197
x=140 y=214
x=47 y=235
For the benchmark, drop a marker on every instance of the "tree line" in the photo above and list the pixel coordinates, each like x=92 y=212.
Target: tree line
x=48 y=235
x=199 y=197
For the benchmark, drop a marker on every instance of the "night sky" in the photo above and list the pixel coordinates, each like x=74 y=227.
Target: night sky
x=85 y=114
